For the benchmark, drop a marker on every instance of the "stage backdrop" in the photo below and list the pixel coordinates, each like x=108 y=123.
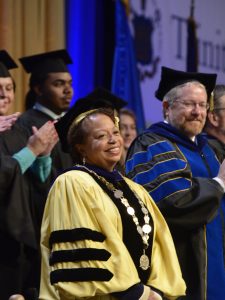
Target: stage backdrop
x=29 y=27
x=159 y=29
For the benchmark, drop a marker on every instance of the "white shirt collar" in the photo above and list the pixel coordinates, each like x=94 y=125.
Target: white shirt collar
x=47 y=111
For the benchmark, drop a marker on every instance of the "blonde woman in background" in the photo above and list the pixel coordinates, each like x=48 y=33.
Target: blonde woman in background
x=128 y=130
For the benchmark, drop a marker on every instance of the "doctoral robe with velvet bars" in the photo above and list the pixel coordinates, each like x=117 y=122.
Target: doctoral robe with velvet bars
x=82 y=227
x=178 y=174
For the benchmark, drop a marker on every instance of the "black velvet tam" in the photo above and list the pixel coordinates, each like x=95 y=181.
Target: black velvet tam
x=99 y=98
x=171 y=78
x=6 y=64
x=48 y=62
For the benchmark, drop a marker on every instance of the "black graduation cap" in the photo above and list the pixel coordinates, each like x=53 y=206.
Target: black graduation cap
x=99 y=98
x=171 y=78
x=6 y=64
x=44 y=63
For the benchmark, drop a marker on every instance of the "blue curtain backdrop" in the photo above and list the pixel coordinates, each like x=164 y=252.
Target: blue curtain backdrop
x=80 y=42
x=125 y=80
x=90 y=42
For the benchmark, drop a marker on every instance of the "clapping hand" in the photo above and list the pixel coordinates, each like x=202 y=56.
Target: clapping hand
x=43 y=139
x=6 y=122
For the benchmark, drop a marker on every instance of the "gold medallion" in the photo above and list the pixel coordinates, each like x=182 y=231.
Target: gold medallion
x=144 y=262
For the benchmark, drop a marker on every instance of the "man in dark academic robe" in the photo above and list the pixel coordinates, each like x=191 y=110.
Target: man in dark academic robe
x=174 y=162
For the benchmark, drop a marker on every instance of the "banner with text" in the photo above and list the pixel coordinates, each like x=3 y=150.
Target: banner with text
x=159 y=29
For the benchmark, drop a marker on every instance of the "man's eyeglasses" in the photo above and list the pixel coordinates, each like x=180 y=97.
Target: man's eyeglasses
x=192 y=105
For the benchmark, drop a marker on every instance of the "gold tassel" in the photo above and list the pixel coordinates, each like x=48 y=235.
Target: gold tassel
x=126 y=3
x=211 y=102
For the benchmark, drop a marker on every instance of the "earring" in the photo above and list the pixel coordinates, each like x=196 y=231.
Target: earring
x=84 y=160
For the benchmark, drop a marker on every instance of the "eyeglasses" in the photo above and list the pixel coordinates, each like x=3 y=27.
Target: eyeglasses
x=192 y=105
x=219 y=108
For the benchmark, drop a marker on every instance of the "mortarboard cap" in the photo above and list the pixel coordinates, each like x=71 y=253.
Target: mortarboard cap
x=48 y=62
x=6 y=64
x=171 y=78
x=99 y=98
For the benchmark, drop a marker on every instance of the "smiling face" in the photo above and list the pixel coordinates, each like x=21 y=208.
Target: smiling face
x=7 y=94
x=128 y=129
x=56 y=92
x=103 y=144
x=188 y=112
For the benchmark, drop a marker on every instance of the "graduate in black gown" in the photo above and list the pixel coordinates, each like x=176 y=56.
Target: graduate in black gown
x=51 y=91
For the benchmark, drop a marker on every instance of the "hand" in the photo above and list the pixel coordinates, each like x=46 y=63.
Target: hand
x=154 y=296
x=6 y=122
x=16 y=297
x=53 y=140
x=149 y=294
x=221 y=173
x=43 y=139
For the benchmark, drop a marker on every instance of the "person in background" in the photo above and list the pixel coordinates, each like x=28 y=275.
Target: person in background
x=7 y=91
x=51 y=89
x=174 y=162
x=215 y=122
x=7 y=84
x=128 y=132
x=101 y=235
